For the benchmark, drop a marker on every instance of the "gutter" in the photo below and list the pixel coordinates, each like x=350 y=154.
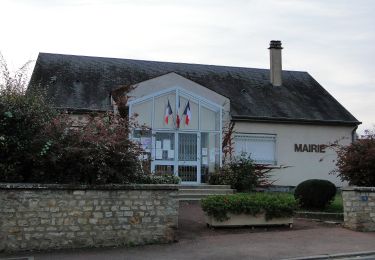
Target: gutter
x=72 y=110
x=285 y=120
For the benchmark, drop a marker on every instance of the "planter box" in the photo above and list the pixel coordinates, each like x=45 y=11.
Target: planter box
x=248 y=220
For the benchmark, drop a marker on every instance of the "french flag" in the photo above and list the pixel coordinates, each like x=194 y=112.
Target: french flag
x=168 y=112
x=187 y=113
x=178 y=120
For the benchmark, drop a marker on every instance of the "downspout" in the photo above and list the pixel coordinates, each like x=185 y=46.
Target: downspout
x=353 y=133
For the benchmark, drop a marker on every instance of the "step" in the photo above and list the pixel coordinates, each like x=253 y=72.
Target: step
x=197 y=192
x=197 y=196
x=203 y=186
x=206 y=191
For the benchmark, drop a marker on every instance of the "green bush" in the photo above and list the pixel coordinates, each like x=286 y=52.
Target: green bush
x=160 y=179
x=315 y=194
x=241 y=174
x=38 y=145
x=22 y=120
x=273 y=205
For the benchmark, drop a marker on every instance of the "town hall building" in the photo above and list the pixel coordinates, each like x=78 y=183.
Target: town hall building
x=283 y=119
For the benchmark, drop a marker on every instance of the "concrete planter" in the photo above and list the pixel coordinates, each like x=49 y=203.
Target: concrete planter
x=359 y=208
x=236 y=220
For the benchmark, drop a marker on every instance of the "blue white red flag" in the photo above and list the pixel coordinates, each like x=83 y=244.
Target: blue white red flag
x=178 y=120
x=168 y=112
x=187 y=113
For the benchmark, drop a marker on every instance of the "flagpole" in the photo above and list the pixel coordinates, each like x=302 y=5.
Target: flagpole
x=174 y=122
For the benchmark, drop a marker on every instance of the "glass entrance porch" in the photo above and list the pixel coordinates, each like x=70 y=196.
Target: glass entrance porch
x=185 y=133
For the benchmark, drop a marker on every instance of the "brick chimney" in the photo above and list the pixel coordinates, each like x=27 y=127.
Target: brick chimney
x=276 y=64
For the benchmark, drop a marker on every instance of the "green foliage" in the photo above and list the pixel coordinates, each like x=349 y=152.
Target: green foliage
x=315 y=194
x=273 y=205
x=22 y=118
x=44 y=147
x=40 y=145
x=336 y=205
x=241 y=174
x=356 y=162
x=160 y=179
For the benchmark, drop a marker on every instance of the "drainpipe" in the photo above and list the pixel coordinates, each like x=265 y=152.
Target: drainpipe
x=354 y=134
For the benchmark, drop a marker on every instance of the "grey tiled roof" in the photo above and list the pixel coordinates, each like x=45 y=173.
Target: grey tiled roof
x=82 y=82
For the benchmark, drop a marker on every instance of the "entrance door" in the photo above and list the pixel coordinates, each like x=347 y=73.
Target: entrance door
x=188 y=164
x=177 y=153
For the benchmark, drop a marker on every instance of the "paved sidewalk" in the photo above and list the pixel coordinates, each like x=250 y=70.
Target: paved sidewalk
x=198 y=242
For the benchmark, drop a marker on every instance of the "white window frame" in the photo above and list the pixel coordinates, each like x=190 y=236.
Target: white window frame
x=201 y=101
x=259 y=136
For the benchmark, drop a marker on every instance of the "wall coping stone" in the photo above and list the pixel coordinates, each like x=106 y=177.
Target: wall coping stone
x=39 y=186
x=360 y=189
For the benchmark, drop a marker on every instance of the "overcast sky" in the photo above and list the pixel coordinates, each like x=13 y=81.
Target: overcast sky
x=333 y=40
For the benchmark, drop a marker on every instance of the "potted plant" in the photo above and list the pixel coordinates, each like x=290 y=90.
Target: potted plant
x=249 y=209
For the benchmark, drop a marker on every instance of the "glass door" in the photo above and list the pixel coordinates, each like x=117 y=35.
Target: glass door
x=163 y=153
x=188 y=158
x=177 y=153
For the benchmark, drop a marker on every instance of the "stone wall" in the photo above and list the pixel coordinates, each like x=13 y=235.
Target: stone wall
x=40 y=217
x=359 y=208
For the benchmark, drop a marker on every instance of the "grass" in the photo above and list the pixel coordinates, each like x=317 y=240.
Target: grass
x=336 y=205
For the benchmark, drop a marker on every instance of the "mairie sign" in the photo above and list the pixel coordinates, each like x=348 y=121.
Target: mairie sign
x=310 y=148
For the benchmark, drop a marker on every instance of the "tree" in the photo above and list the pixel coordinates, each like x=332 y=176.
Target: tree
x=22 y=117
x=13 y=82
x=39 y=144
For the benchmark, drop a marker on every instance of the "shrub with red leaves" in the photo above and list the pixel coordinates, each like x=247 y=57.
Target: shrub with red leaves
x=356 y=162
x=98 y=153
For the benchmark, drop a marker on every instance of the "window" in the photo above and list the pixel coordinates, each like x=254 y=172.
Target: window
x=210 y=154
x=194 y=109
x=260 y=147
x=210 y=118
x=161 y=103
x=144 y=138
x=143 y=110
x=164 y=146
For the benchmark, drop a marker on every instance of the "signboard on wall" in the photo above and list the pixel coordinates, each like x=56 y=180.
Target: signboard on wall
x=309 y=148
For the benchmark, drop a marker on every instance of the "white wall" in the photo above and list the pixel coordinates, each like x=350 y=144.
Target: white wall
x=301 y=165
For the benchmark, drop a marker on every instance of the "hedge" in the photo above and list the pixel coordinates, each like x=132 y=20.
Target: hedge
x=315 y=193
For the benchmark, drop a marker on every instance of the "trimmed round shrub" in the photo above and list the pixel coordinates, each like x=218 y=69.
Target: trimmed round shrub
x=315 y=194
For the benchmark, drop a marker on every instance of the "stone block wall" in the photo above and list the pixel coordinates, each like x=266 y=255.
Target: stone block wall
x=359 y=208
x=41 y=217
